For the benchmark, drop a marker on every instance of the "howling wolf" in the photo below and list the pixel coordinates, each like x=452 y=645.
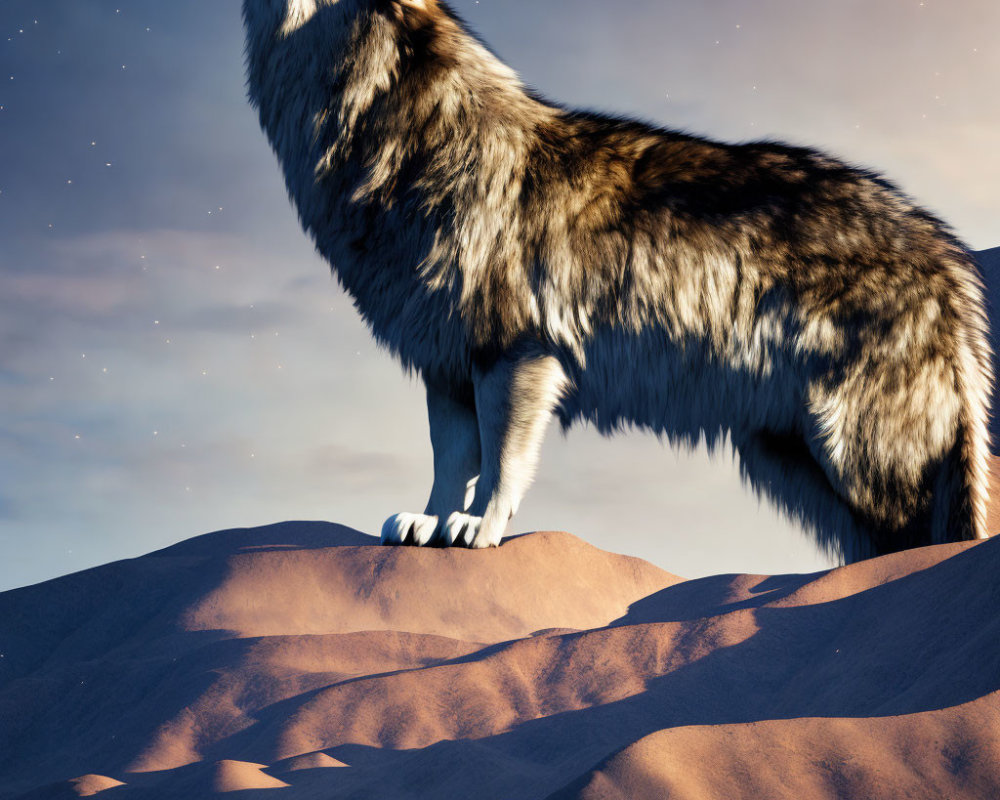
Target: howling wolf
x=528 y=261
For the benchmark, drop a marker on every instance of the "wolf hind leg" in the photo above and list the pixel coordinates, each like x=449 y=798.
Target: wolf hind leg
x=514 y=404
x=455 y=440
x=783 y=467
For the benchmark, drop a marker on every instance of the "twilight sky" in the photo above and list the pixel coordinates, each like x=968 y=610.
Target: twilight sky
x=175 y=359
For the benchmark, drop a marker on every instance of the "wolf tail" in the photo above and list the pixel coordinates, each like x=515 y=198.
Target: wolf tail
x=962 y=486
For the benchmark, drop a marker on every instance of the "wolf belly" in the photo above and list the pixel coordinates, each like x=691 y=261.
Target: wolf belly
x=685 y=392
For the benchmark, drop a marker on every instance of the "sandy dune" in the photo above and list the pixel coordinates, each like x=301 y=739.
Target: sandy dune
x=948 y=753
x=301 y=661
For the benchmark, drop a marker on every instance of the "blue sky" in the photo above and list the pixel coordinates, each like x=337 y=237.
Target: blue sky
x=175 y=359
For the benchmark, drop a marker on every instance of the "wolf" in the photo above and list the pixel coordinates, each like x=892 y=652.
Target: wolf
x=530 y=261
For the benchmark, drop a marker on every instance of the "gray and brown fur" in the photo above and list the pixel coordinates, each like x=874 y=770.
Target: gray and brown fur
x=528 y=260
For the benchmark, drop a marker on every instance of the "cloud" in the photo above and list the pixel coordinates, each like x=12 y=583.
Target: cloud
x=244 y=319
x=7 y=509
x=80 y=295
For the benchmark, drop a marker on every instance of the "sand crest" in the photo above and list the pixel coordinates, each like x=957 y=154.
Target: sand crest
x=89 y=785
x=237 y=776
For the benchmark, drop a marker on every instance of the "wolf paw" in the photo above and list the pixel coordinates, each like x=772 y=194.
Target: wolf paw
x=466 y=530
x=415 y=529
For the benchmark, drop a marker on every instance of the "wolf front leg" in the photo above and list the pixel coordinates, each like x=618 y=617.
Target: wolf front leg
x=514 y=404
x=455 y=439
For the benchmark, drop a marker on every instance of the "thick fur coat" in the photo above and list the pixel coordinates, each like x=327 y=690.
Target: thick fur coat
x=528 y=260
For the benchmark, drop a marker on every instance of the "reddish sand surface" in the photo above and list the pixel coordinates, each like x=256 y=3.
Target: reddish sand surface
x=302 y=660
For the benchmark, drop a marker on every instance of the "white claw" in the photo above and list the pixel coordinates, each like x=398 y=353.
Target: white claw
x=481 y=540
x=392 y=529
x=405 y=528
x=466 y=530
x=423 y=529
x=453 y=532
